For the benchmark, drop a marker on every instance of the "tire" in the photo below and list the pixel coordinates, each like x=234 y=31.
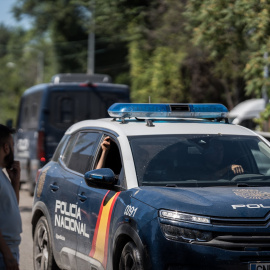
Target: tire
x=131 y=258
x=42 y=247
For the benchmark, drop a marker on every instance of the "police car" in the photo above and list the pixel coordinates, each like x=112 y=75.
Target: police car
x=179 y=188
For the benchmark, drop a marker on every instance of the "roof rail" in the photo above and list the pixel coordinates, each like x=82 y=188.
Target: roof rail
x=81 y=77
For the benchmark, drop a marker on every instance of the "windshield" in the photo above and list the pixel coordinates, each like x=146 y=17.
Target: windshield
x=201 y=160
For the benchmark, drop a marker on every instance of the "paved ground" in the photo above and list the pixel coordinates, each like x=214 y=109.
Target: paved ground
x=26 y=247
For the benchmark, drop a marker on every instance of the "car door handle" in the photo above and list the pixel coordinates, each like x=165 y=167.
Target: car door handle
x=82 y=197
x=54 y=187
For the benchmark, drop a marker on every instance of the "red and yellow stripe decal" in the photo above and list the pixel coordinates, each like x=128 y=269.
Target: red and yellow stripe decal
x=99 y=249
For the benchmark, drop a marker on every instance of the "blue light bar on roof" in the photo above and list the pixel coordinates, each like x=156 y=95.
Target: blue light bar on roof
x=174 y=110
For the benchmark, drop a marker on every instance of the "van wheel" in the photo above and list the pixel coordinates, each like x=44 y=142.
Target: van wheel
x=42 y=247
x=131 y=258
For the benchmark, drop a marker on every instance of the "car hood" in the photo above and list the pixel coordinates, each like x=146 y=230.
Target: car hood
x=209 y=201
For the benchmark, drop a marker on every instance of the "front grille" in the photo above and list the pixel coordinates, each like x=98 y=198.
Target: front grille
x=257 y=223
x=240 y=242
x=241 y=222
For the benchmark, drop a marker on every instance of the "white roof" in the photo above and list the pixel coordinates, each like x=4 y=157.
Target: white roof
x=135 y=128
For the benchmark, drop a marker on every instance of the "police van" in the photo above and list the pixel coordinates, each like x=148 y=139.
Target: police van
x=47 y=110
x=155 y=186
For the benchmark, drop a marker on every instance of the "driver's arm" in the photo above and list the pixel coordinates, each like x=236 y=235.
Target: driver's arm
x=236 y=169
x=105 y=146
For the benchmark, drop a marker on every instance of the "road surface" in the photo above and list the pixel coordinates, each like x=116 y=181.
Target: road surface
x=26 y=247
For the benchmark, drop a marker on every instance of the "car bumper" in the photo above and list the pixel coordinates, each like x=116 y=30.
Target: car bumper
x=166 y=254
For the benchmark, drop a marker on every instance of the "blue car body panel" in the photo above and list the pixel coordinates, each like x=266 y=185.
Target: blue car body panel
x=187 y=224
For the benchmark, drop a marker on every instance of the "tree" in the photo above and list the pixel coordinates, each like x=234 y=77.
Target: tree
x=235 y=33
x=173 y=51
x=11 y=81
x=164 y=64
x=63 y=21
x=155 y=48
x=19 y=59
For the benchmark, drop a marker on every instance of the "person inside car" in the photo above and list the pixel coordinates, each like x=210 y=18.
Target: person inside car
x=110 y=156
x=105 y=148
x=214 y=162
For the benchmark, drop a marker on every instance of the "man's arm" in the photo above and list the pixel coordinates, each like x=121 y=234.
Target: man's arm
x=10 y=262
x=234 y=168
x=105 y=146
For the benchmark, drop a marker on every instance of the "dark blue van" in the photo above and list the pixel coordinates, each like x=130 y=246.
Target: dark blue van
x=47 y=110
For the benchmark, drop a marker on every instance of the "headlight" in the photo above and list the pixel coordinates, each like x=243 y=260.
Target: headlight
x=173 y=215
x=186 y=235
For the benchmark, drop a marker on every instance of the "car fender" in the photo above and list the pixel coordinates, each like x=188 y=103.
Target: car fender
x=39 y=210
x=124 y=234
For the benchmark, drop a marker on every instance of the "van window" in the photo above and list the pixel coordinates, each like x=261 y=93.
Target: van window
x=30 y=113
x=102 y=100
x=34 y=110
x=67 y=107
x=25 y=115
x=66 y=110
x=71 y=104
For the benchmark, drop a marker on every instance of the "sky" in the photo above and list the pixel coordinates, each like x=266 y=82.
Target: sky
x=6 y=16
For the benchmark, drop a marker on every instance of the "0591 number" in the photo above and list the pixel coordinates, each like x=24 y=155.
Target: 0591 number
x=130 y=211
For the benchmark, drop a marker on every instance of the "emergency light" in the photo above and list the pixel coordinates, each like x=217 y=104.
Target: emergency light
x=174 y=110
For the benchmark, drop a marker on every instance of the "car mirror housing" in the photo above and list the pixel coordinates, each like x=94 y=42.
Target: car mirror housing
x=101 y=178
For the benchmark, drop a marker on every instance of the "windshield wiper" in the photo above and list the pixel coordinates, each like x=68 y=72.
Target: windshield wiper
x=242 y=177
x=243 y=185
x=171 y=185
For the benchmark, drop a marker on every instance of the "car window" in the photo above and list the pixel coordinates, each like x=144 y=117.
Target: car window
x=199 y=160
x=82 y=152
x=59 y=148
x=113 y=158
x=68 y=149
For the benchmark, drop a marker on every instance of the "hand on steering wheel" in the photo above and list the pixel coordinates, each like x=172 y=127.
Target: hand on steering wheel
x=237 y=169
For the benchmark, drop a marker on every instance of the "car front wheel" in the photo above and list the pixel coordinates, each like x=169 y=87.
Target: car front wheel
x=131 y=258
x=42 y=248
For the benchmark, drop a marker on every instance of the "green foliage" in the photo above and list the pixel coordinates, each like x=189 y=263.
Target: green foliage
x=236 y=35
x=155 y=35
x=158 y=78
x=24 y=62
x=263 y=121
x=64 y=20
x=171 y=51
x=11 y=79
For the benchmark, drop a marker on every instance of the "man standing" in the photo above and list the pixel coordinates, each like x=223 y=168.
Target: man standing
x=10 y=219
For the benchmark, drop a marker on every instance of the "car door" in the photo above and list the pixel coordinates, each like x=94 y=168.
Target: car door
x=96 y=211
x=61 y=196
x=67 y=214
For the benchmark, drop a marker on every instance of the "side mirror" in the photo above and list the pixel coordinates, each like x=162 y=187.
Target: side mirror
x=100 y=178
